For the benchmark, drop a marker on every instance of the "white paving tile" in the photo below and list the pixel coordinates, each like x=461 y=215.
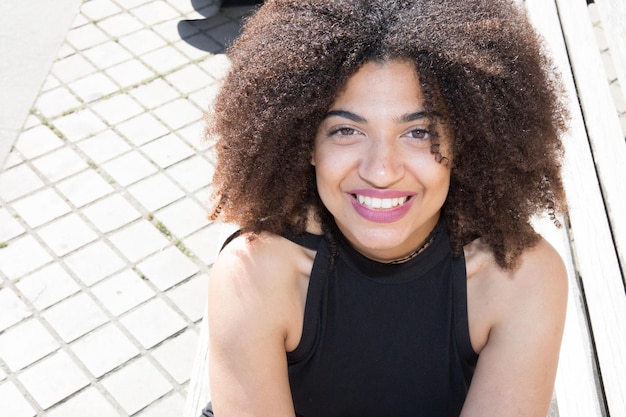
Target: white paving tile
x=75 y=316
x=129 y=73
x=131 y=4
x=155 y=93
x=72 y=68
x=111 y=213
x=13 y=402
x=56 y=101
x=85 y=37
x=191 y=296
x=142 y=41
x=26 y=343
x=145 y=192
x=53 y=379
x=203 y=97
x=30 y=208
x=155 y=12
x=36 y=141
x=165 y=59
x=138 y=240
x=107 y=54
x=136 y=385
x=21 y=256
x=142 y=129
x=122 y=292
x=171 y=405
x=84 y=188
x=129 y=168
x=178 y=113
x=217 y=66
x=12 y=309
x=13 y=159
x=168 y=30
x=206 y=243
x=50 y=83
x=67 y=234
x=194 y=135
x=80 y=125
x=104 y=350
x=153 y=322
x=94 y=262
x=18 y=181
x=79 y=20
x=209 y=46
x=104 y=146
x=202 y=173
x=120 y=24
x=98 y=10
x=59 y=164
x=47 y=286
x=117 y=108
x=66 y=50
x=177 y=355
x=93 y=87
x=183 y=217
x=87 y=403
x=190 y=78
x=10 y=226
x=167 y=150
x=167 y=268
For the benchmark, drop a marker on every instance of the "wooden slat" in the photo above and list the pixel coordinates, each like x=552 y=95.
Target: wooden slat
x=576 y=384
x=600 y=115
x=595 y=254
x=613 y=17
x=603 y=281
x=576 y=392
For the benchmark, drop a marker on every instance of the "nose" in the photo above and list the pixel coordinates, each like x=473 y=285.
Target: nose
x=382 y=164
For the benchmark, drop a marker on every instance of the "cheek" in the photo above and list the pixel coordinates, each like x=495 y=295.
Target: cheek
x=434 y=175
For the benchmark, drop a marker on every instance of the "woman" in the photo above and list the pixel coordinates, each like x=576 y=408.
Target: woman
x=384 y=159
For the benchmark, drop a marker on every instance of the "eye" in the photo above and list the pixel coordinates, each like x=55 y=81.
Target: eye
x=344 y=131
x=420 y=134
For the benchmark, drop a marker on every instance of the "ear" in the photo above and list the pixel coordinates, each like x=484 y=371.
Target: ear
x=313 y=157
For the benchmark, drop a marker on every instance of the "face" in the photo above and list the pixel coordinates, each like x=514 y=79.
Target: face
x=375 y=170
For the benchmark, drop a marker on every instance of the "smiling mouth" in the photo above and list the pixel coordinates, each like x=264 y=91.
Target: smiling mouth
x=377 y=203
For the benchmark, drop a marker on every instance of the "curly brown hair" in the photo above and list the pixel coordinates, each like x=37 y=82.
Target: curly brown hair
x=481 y=59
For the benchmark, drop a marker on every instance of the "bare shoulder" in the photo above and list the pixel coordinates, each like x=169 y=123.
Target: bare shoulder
x=258 y=282
x=536 y=285
x=257 y=293
x=538 y=267
x=516 y=320
x=261 y=260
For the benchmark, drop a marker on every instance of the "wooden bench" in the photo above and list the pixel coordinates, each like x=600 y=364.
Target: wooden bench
x=591 y=379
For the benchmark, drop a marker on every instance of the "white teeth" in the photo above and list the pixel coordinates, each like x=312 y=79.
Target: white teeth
x=381 y=203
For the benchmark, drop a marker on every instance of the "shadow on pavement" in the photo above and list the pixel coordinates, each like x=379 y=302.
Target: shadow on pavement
x=194 y=31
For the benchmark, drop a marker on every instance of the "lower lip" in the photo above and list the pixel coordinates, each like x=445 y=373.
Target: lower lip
x=381 y=216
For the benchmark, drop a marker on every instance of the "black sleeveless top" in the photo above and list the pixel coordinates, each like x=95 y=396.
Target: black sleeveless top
x=380 y=339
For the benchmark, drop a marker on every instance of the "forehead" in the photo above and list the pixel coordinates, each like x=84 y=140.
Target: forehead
x=383 y=83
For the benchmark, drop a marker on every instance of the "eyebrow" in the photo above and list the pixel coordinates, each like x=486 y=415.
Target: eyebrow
x=407 y=118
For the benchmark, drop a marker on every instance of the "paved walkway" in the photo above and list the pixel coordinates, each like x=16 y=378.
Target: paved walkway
x=104 y=242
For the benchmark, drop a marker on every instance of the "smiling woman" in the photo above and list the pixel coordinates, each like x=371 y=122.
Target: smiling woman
x=383 y=159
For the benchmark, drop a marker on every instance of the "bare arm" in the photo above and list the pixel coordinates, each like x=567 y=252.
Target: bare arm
x=251 y=312
x=516 y=369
